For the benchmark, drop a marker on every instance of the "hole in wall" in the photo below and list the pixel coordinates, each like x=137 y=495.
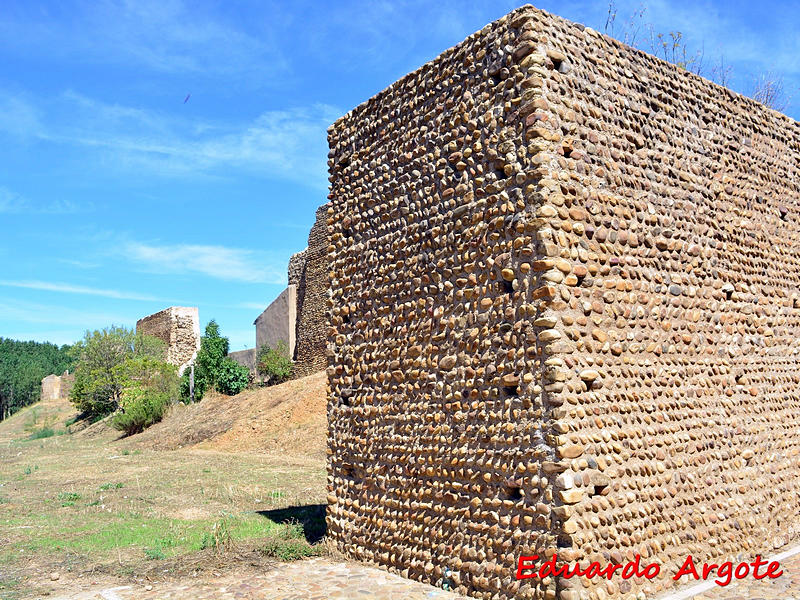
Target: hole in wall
x=514 y=493
x=512 y=489
x=511 y=390
x=508 y=286
x=599 y=490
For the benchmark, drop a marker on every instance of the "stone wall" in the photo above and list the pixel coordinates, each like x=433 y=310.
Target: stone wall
x=312 y=297
x=278 y=321
x=179 y=328
x=57 y=387
x=563 y=317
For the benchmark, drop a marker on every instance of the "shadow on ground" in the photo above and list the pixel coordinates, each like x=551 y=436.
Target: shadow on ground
x=310 y=516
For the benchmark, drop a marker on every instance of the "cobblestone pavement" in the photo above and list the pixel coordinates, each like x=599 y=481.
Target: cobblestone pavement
x=785 y=587
x=321 y=579
x=317 y=579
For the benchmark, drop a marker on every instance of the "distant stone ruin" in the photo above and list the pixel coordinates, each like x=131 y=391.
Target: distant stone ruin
x=564 y=317
x=179 y=328
x=57 y=387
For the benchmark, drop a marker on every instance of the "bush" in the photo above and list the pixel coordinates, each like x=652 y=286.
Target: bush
x=288 y=543
x=44 y=432
x=232 y=377
x=139 y=409
x=149 y=387
x=274 y=364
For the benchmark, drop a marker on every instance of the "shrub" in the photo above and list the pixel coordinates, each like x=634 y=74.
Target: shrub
x=274 y=364
x=232 y=377
x=44 y=432
x=139 y=409
x=149 y=387
x=288 y=543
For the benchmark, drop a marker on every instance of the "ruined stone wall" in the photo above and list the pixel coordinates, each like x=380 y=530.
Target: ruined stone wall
x=57 y=387
x=297 y=266
x=179 y=328
x=563 y=316
x=312 y=292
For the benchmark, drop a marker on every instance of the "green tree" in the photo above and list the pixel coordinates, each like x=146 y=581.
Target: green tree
x=98 y=382
x=213 y=369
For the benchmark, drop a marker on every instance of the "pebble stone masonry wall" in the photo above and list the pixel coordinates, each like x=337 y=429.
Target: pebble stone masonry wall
x=564 y=316
x=312 y=299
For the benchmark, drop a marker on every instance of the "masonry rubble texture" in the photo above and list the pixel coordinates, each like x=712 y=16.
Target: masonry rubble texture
x=312 y=300
x=57 y=387
x=179 y=328
x=564 y=316
x=297 y=266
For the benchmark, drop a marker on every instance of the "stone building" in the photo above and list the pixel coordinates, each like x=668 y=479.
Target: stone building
x=278 y=321
x=179 y=328
x=564 y=316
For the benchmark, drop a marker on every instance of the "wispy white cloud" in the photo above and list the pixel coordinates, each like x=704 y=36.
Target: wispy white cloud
x=219 y=262
x=289 y=144
x=67 y=288
x=60 y=316
x=161 y=35
x=13 y=203
x=18 y=116
x=260 y=306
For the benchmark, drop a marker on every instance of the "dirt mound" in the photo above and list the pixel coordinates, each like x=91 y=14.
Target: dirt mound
x=290 y=417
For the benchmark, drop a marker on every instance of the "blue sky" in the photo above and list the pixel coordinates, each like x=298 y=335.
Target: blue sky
x=118 y=198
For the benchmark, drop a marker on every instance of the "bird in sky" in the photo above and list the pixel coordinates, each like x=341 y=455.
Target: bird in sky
x=185 y=100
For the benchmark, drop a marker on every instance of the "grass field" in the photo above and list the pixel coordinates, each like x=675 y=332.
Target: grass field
x=90 y=508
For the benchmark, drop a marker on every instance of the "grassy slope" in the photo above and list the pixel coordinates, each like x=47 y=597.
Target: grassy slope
x=95 y=505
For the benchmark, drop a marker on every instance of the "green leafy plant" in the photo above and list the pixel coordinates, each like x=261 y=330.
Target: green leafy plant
x=111 y=486
x=274 y=364
x=289 y=543
x=232 y=377
x=154 y=554
x=44 y=432
x=68 y=498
